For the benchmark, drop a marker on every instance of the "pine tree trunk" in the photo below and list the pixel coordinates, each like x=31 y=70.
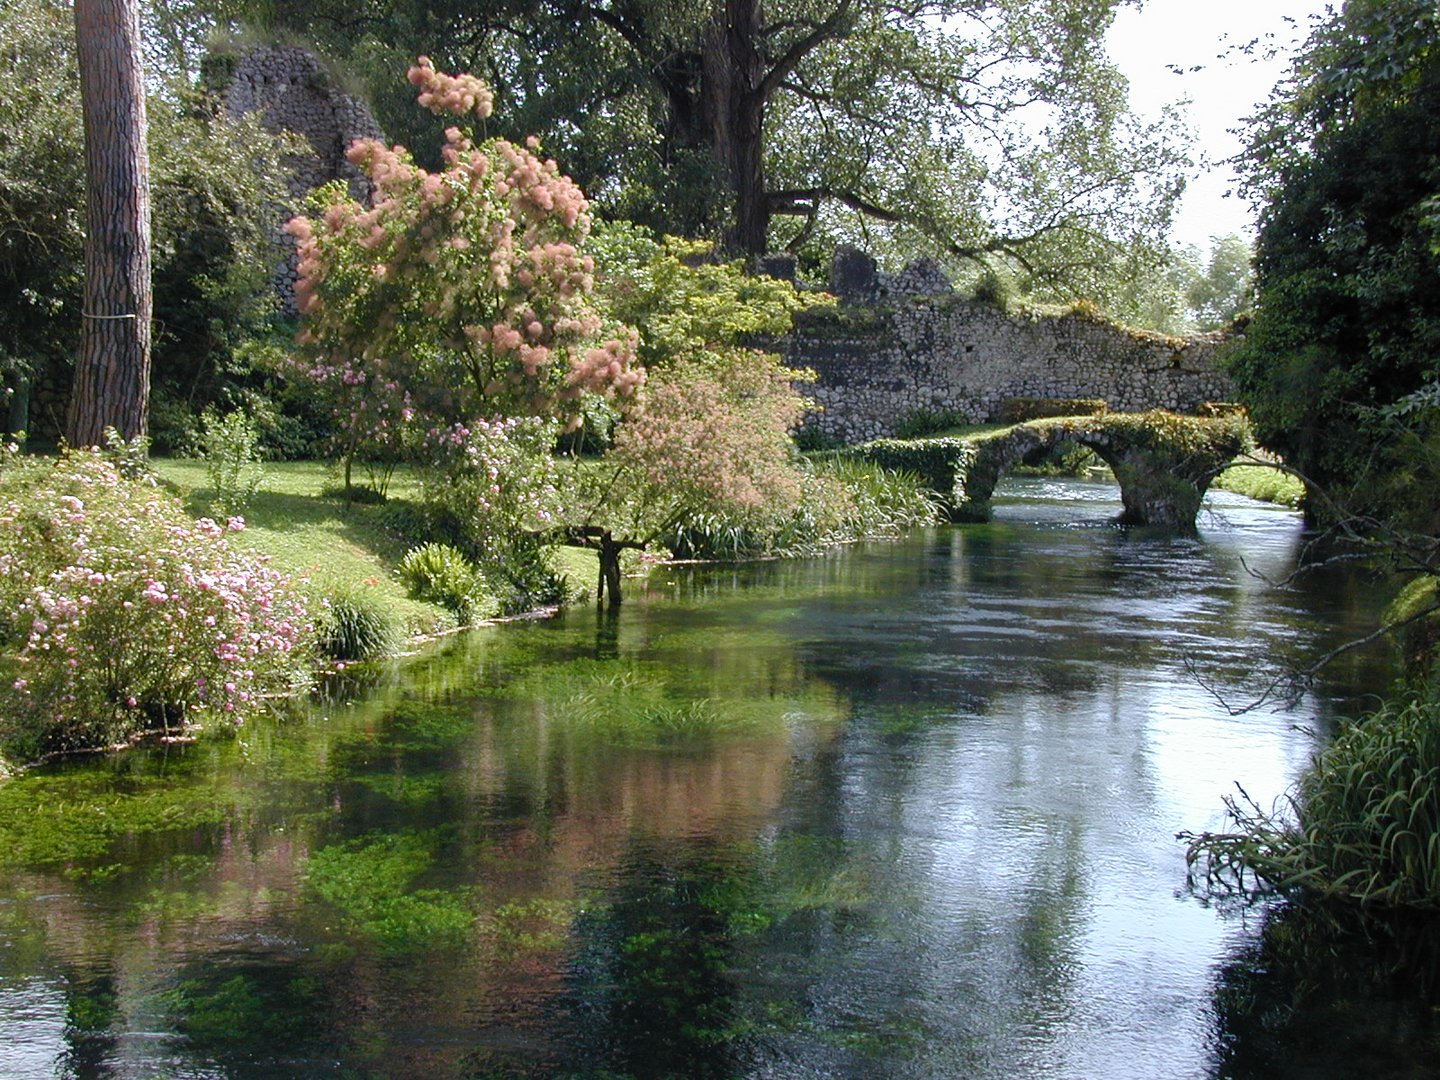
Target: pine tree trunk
x=112 y=375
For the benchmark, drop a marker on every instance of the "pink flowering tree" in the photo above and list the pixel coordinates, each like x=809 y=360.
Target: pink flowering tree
x=457 y=294
x=119 y=613
x=709 y=436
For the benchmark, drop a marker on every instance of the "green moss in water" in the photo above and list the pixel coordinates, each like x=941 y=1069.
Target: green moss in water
x=370 y=883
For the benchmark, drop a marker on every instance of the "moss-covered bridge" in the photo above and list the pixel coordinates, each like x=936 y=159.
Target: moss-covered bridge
x=1163 y=461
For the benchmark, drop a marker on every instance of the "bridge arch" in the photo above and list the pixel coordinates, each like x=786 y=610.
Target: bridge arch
x=1163 y=461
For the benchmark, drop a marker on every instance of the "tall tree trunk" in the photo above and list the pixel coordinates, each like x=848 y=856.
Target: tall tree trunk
x=112 y=375
x=733 y=74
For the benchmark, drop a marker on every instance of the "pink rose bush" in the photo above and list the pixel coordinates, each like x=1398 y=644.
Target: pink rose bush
x=456 y=294
x=119 y=613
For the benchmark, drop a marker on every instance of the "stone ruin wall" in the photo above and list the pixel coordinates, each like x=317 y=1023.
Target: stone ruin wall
x=291 y=91
x=906 y=344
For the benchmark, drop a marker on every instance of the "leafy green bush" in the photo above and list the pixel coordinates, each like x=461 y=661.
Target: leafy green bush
x=355 y=624
x=231 y=445
x=442 y=575
x=1363 y=825
x=495 y=496
x=842 y=500
x=810 y=439
x=937 y=461
x=1420 y=637
x=119 y=613
x=1263 y=483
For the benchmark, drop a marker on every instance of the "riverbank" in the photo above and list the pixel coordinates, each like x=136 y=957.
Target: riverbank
x=301 y=519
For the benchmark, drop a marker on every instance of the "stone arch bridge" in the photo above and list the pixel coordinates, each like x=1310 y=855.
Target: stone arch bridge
x=1163 y=461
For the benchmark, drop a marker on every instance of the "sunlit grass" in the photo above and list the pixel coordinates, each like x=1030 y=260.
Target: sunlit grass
x=299 y=519
x=1261 y=482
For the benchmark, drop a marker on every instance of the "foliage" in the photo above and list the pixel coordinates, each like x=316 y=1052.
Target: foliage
x=737 y=413
x=687 y=303
x=123 y=613
x=213 y=183
x=1420 y=639
x=1346 y=162
x=495 y=495
x=990 y=129
x=355 y=624
x=842 y=500
x=924 y=422
x=232 y=458
x=458 y=294
x=443 y=575
x=1216 y=296
x=707 y=444
x=1363 y=825
x=939 y=462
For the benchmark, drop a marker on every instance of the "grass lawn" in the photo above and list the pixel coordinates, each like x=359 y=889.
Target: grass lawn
x=337 y=546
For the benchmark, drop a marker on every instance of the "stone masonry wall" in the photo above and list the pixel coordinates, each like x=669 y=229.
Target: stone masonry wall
x=898 y=354
x=291 y=91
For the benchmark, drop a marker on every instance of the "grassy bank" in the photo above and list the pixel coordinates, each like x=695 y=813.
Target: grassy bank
x=301 y=521
x=1263 y=483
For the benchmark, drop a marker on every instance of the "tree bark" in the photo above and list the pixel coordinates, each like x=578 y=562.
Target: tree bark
x=112 y=374
x=734 y=97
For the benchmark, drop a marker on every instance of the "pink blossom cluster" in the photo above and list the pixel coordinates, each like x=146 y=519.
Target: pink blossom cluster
x=501 y=475
x=457 y=94
x=459 y=293
x=718 y=437
x=127 y=612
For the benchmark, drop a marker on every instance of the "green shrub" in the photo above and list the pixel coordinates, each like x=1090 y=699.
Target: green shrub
x=810 y=439
x=842 y=500
x=1420 y=639
x=119 y=613
x=495 y=497
x=355 y=624
x=1363 y=825
x=441 y=574
x=231 y=446
x=1263 y=483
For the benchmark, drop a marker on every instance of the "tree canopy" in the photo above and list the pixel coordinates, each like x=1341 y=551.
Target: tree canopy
x=1345 y=161
x=983 y=129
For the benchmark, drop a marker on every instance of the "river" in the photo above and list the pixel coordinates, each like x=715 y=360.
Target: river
x=905 y=810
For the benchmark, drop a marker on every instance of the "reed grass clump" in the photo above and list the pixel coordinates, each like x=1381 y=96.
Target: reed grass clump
x=356 y=624
x=1362 y=826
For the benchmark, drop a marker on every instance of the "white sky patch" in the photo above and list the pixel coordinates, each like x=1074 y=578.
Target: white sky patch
x=1145 y=44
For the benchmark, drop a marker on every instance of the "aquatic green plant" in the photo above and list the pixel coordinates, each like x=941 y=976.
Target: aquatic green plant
x=1362 y=826
x=370 y=882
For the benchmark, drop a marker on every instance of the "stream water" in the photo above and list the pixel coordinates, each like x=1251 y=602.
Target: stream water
x=906 y=810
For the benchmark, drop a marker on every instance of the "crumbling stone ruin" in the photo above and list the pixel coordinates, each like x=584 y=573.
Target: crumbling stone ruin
x=291 y=91
x=904 y=345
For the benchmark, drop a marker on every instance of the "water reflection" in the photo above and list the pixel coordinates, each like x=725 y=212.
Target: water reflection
x=907 y=810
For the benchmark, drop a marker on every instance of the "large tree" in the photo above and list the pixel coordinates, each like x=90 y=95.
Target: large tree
x=112 y=375
x=976 y=128
x=1345 y=161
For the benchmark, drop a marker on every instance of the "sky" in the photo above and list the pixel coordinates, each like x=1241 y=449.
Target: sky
x=1191 y=33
